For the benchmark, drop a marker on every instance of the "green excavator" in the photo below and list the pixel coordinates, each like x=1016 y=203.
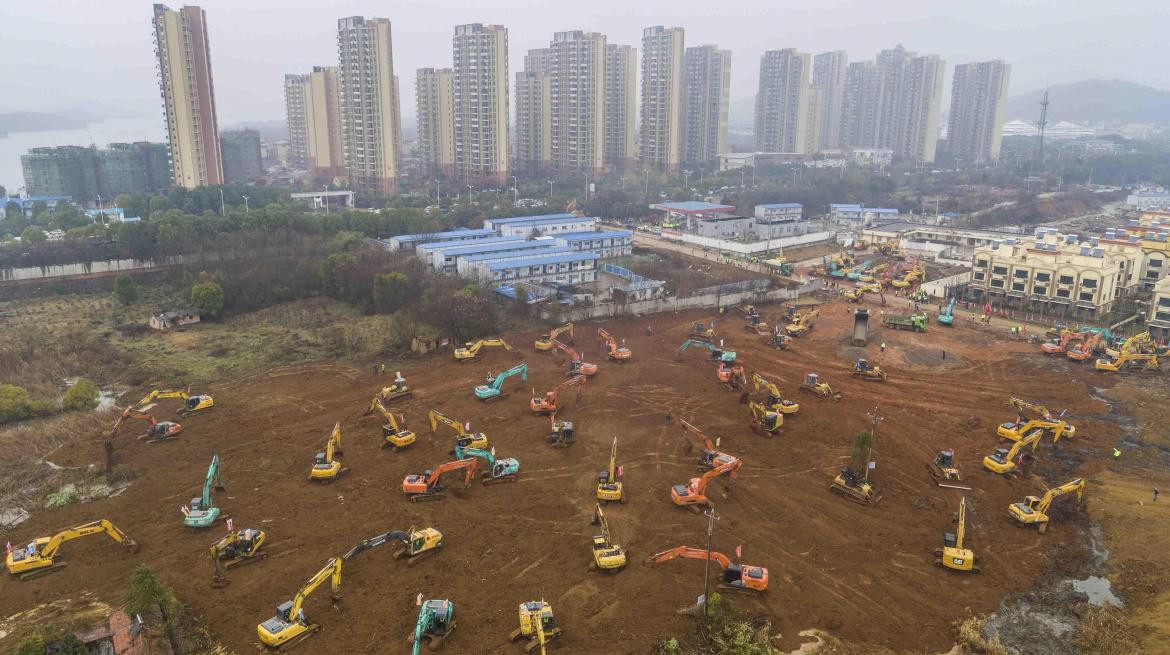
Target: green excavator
x=491 y=390
x=436 y=622
x=200 y=513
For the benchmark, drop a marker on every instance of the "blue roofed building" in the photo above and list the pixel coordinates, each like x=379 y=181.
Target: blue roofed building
x=469 y=266
x=409 y=241
x=567 y=268
x=546 y=224
x=607 y=244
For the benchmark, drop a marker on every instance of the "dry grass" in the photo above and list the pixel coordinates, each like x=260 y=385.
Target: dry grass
x=1106 y=630
x=969 y=634
x=831 y=645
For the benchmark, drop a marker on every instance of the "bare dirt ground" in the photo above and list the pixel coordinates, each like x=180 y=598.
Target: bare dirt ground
x=864 y=574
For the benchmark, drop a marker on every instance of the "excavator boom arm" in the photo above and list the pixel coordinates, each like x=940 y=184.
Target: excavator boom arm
x=1077 y=485
x=437 y=417
x=454 y=465
x=731 y=468
x=687 y=552
x=212 y=479
x=84 y=530
x=331 y=571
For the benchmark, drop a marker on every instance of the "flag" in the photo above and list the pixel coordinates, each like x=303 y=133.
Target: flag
x=8 y=548
x=229 y=524
x=183 y=509
x=739 y=551
x=717 y=441
x=872 y=465
x=467 y=426
x=620 y=470
x=418 y=599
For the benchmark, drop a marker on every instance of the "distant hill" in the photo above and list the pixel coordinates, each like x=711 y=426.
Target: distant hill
x=1093 y=101
x=33 y=121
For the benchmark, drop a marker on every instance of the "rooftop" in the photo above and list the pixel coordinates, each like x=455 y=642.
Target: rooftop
x=443 y=245
x=462 y=232
x=492 y=246
x=583 y=236
x=783 y=205
x=722 y=217
x=544 y=249
x=542 y=218
x=534 y=261
x=691 y=206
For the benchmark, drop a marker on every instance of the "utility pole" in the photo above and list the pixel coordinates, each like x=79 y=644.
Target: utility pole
x=246 y=208
x=222 y=210
x=711 y=518
x=1040 y=125
x=874 y=417
x=324 y=189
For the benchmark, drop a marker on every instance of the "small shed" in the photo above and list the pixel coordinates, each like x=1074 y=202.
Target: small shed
x=175 y=318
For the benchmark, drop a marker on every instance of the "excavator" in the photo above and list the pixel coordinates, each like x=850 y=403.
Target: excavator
x=236 y=549
x=544 y=342
x=857 y=294
x=765 y=421
x=490 y=390
x=394 y=432
x=502 y=469
x=803 y=323
x=436 y=622
x=953 y=555
x=916 y=274
x=1034 y=511
x=777 y=339
x=192 y=403
x=619 y=354
x=200 y=513
x=812 y=384
x=1061 y=345
x=856 y=272
x=1129 y=361
x=866 y=371
x=717 y=354
x=693 y=494
x=325 y=467
x=40 y=556
x=736 y=577
x=775 y=401
x=947 y=315
x=386 y=395
x=156 y=432
x=417 y=544
x=1003 y=460
x=428 y=485
x=1086 y=348
x=731 y=376
x=943 y=468
x=576 y=365
x=853 y=486
x=548 y=403
x=709 y=458
x=561 y=435
x=607 y=556
x=537 y=624
x=750 y=313
x=470 y=352
x=1018 y=429
x=463 y=438
x=609 y=483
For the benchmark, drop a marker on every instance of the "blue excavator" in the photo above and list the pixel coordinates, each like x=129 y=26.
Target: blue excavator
x=717 y=354
x=201 y=513
x=947 y=316
x=502 y=469
x=436 y=622
x=490 y=390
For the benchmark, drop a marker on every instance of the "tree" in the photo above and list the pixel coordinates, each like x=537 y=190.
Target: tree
x=12 y=209
x=207 y=297
x=125 y=289
x=38 y=208
x=147 y=592
x=83 y=395
x=33 y=235
x=33 y=645
x=391 y=291
x=66 y=217
x=333 y=273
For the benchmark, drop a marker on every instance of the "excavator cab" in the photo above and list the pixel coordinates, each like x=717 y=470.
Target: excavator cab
x=943 y=468
x=740 y=576
x=537 y=624
x=473 y=440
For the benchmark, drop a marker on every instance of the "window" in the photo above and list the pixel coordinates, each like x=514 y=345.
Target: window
x=981 y=263
x=1022 y=274
x=1066 y=279
x=1089 y=283
x=1152 y=275
x=1043 y=277
x=1162 y=316
x=1062 y=293
x=1087 y=296
x=997 y=283
x=1164 y=301
x=999 y=270
x=1040 y=291
x=1018 y=286
x=1155 y=263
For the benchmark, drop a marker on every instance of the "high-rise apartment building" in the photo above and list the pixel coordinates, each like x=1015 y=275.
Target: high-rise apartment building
x=313 y=111
x=891 y=67
x=706 y=96
x=782 y=101
x=577 y=102
x=621 y=104
x=978 y=94
x=296 y=113
x=184 y=71
x=828 y=73
x=814 y=119
x=84 y=173
x=241 y=155
x=893 y=103
x=368 y=92
x=480 y=70
x=435 y=106
x=859 y=106
x=916 y=125
x=533 y=122
x=660 y=143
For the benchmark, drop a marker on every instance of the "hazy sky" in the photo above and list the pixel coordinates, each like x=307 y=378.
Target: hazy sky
x=73 y=53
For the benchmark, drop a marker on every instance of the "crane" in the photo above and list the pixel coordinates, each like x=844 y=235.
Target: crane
x=490 y=390
x=200 y=513
x=576 y=365
x=548 y=404
x=717 y=354
x=157 y=430
x=290 y=626
x=775 y=401
x=1016 y=430
x=192 y=403
x=765 y=421
x=607 y=556
x=237 y=548
x=1034 y=511
x=470 y=351
x=562 y=432
x=436 y=622
x=609 y=483
x=325 y=467
x=736 y=577
x=394 y=432
x=802 y=324
x=947 y=316
x=537 y=624
x=709 y=458
x=1003 y=460
x=545 y=341
x=428 y=485
x=693 y=494
x=504 y=469
x=463 y=437
x=619 y=354
x=953 y=555
x=39 y=557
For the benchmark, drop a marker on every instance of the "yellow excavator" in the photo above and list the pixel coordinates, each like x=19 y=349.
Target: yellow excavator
x=417 y=544
x=463 y=438
x=537 y=624
x=1003 y=460
x=1018 y=429
x=803 y=323
x=326 y=468
x=857 y=294
x=394 y=432
x=236 y=549
x=607 y=556
x=192 y=403
x=775 y=401
x=1034 y=511
x=1129 y=361
x=290 y=626
x=545 y=341
x=953 y=555
x=609 y=483
x=765 y=421
x=40 y=556
x=470 y=353
x=812 y=384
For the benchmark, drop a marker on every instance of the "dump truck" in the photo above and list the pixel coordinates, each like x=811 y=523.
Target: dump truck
x=915 y=322
x=860 y=328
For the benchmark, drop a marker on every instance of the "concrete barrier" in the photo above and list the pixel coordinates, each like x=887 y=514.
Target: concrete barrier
x=680 y=303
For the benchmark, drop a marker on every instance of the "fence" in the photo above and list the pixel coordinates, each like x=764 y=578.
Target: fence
x=941 y=287
x=740 y=248
x=757 y=284
x=679 y=303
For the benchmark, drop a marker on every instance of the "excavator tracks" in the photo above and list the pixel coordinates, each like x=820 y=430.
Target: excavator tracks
x=296 y=641
x=503 y=478
x=53 y=568
x=854 y=497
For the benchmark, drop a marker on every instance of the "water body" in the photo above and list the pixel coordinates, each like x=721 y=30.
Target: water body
x=111 y=130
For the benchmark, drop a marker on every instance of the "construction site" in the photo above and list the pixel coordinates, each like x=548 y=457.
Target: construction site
x=668 y=417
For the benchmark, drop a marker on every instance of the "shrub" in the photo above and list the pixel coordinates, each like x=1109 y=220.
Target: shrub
x=207 y=297
x=83 y=395
x=33 y=645
x=148 y=591
x=17 y=405
x=125 y=289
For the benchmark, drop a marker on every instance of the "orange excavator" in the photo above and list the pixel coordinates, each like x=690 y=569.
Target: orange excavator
x=736 y=577
x=156 y=432
x=576 y=366
x=731 y=376
x=709 y=458
x=1060 y=346
x=619 y=354
x=1086 y=349
x=548 y=404
x=693 y=494
x=428 y=485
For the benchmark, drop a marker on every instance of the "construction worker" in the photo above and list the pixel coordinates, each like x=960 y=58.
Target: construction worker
x=649 y=330
x=883 y=346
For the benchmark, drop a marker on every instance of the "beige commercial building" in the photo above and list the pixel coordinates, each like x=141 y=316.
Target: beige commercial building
x=370 y=113
x=828 y=74
x=313 y=111
x=621 y=105
x=183 y=54
x=782 y=101
x=480 y=58
x=706 y=97
x=435 y=107
x=533 y=124
x=660 y=139
x=979 y=92
x=1158 y=320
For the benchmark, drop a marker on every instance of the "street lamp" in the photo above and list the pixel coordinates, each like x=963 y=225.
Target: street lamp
x=687 y=182
x=711 y=518
x=550 y=184
x=515 y=191
x=438 y=198
x=469 y=191
x=246 y=209
x=325 y=190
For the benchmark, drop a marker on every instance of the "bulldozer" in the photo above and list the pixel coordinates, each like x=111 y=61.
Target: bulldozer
x=544 y=342
x=953 y=555
x=394 y=432
x=943 y=468
x=1034 y=511
x=326 y=468
x=436 y=622
x=812 y=384
x=236 y=548
x=853 y=486
x=777 y=339
x=866 y=371
x=609 y=481
x=736 y=577
x=803 y=323
x=386 y=395
x=700 y=332
x=607 y=556
x=470 y=351
x=41 y=555
x=562 y=435
x=463 y=437
x=537 y=624
x=764 y=421
x=758 y=326
x=192 y=403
